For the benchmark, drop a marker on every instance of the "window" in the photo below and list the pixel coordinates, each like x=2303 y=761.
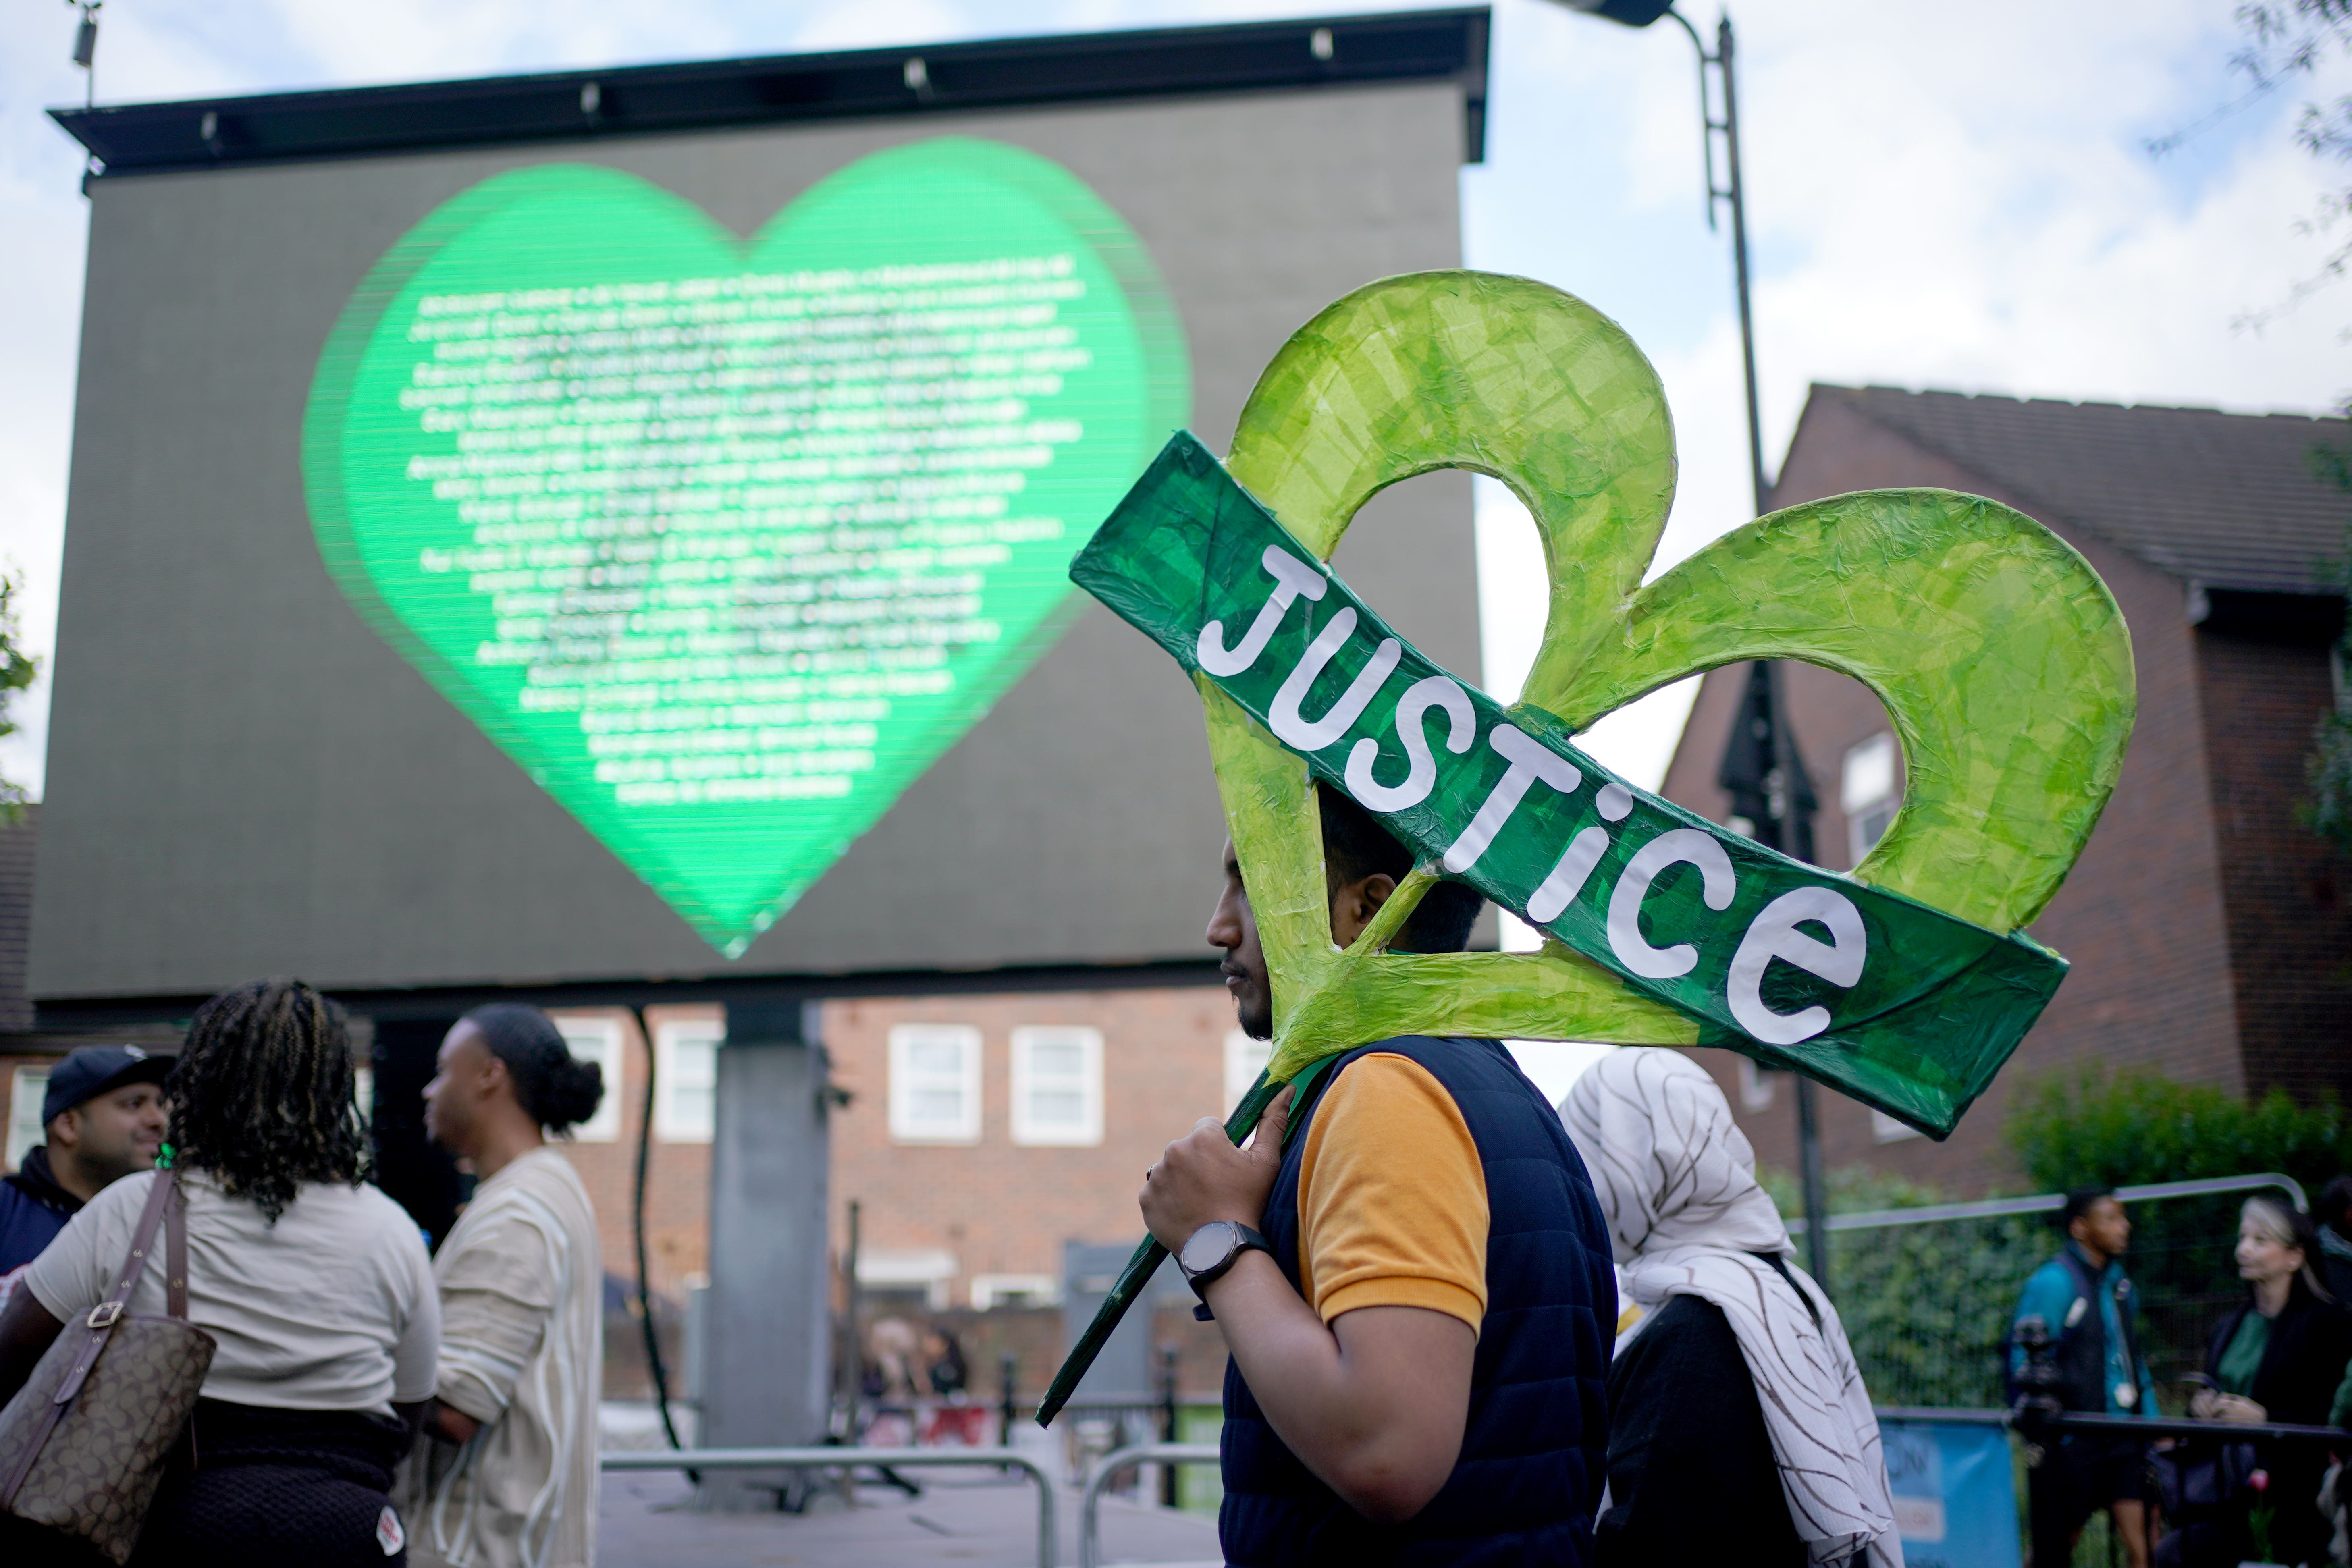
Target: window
x=686 y=1084
x=1869 y=793
x=597 y=1039
x=363 y=1093
x=25 y=1087
x=1756 y=1085
x=1057 y=1086
x=1244 y=1060
x=935 y=1083
x=925 y=1275
x=991 y=1290
x=1885 y=1128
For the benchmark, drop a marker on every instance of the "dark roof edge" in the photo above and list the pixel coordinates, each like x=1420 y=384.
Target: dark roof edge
x=2035 y=506
x=1315 y=52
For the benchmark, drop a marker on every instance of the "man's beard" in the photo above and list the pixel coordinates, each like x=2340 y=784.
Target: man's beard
x=1257 y=1018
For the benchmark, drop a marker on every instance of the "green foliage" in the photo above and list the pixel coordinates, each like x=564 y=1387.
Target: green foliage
x=2329 y=811
x=1927 y=1307
x=18 y=670
x=2128 y=1129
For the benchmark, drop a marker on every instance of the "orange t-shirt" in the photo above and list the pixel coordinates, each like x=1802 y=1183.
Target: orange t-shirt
x=1391 y=1196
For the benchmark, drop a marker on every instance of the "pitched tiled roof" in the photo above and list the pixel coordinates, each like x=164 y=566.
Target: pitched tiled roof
x=2228 y=500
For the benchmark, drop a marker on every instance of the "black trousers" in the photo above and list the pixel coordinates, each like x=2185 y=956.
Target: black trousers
x=252 y=1488
x=2077 y=1477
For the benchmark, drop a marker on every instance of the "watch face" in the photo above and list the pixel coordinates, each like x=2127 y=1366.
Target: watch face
x=1209 y=1247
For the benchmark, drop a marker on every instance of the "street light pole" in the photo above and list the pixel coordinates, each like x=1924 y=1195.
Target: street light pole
x=1731 y=192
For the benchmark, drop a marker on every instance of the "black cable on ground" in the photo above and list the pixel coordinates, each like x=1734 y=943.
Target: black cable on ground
x=637 y=1225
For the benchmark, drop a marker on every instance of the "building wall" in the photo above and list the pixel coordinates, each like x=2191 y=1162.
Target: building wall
x=994 y=1207
x=2141 y=919
x=2283 y=887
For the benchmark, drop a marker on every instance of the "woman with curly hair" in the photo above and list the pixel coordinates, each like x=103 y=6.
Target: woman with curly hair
x=314 y=1284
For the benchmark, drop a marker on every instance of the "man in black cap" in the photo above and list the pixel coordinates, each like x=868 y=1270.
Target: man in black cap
x=103 y=1118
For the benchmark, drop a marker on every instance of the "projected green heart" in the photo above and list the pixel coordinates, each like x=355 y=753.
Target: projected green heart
x=724 y=543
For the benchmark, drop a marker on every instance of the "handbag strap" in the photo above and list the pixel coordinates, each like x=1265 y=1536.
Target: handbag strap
x=97 y=1325
x=175 y=1252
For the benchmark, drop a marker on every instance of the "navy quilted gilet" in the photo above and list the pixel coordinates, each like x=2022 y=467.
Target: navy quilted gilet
x=1533 y=1453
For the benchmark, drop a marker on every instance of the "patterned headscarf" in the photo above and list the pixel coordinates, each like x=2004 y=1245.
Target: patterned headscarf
x=1677 y=1181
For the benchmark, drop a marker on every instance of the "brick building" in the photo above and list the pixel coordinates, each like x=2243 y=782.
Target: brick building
x=2209 y=931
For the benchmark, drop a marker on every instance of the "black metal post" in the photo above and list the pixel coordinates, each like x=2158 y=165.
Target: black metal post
x=853 y=1356
x=1168 y=1354
x=1792 y=834
x=1006 y=1369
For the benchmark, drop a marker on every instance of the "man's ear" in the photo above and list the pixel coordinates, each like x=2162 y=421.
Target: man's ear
x=64 y=1130
x=1355 y=903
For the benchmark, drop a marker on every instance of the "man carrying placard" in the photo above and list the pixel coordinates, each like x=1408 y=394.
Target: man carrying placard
x=1409 y=1270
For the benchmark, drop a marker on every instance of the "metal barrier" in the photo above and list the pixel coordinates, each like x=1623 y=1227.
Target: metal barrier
x=2128 y=1426
x=1113 y=1463
x=848 y=1458
x=2051 y=1203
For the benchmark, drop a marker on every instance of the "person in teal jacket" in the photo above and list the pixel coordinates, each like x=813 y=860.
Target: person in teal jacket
x=2085 y=1301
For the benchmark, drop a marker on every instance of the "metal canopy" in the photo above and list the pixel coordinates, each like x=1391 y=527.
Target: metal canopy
x=1006 y=73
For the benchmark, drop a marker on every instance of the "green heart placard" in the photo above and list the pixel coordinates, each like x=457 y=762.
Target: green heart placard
x=2001 y=655
x=725 y=541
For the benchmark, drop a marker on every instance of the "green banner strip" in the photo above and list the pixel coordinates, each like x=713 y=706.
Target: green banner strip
x=1900 y=1005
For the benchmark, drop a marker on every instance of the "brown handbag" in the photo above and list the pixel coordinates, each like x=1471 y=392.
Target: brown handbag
x=83 y=1445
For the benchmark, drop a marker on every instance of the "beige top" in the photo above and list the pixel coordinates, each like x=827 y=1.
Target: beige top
x=332 y=1308
x=522 y=1348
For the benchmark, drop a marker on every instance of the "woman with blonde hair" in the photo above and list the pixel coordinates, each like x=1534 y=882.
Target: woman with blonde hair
x=2280 y=1356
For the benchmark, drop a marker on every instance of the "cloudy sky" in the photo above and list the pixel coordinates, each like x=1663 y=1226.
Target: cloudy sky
x=1951 y=196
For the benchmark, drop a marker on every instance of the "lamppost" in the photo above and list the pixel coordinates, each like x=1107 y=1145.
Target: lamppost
x=1785 y=825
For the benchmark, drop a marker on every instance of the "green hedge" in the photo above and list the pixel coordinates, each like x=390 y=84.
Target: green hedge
x=1928 y=1307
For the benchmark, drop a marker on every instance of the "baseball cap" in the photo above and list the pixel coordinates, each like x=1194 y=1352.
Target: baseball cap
x=89 y=1071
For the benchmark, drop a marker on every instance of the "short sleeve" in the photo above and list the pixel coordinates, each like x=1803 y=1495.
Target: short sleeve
x=497 y=1297
x=1391 y=1196
x=72 y=1273
x=417 y=1353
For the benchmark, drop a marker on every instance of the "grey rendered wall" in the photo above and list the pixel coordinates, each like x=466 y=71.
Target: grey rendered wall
x=243 y=779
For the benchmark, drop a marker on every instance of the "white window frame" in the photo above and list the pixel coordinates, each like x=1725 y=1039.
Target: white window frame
x=1756 y=1085
x=1244 y=1060
x=992 y=1290
x=1026 y=1130
x=1870 y=790
x=676 y=1042
x=591 y=1038
x=1885 y=1128
x=27 y=1087
x=904 y=1083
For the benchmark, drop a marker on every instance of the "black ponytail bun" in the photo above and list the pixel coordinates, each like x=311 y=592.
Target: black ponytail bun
x=556 y=1089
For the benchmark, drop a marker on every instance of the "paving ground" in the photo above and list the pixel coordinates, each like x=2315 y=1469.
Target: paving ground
x=979 y=1523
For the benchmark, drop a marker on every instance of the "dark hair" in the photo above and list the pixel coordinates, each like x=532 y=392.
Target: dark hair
x=2078 y=1204
x=2334 y=1201
x=261 y=1096
x=557 y=1091
x=1355 y=846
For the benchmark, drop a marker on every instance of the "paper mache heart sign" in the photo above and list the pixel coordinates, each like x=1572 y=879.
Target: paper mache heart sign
x=1998 y=653
x=725 y=541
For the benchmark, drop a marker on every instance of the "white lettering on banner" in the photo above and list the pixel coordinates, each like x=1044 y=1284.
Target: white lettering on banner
x=1292 y=728
x=1293 y=579
x=1774 y=934
x=1421 y=770
x=1682 y=846
x=1567 y=878
x=1530 y=761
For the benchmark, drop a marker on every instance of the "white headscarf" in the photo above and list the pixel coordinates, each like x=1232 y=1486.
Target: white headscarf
x=1676 y=1180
